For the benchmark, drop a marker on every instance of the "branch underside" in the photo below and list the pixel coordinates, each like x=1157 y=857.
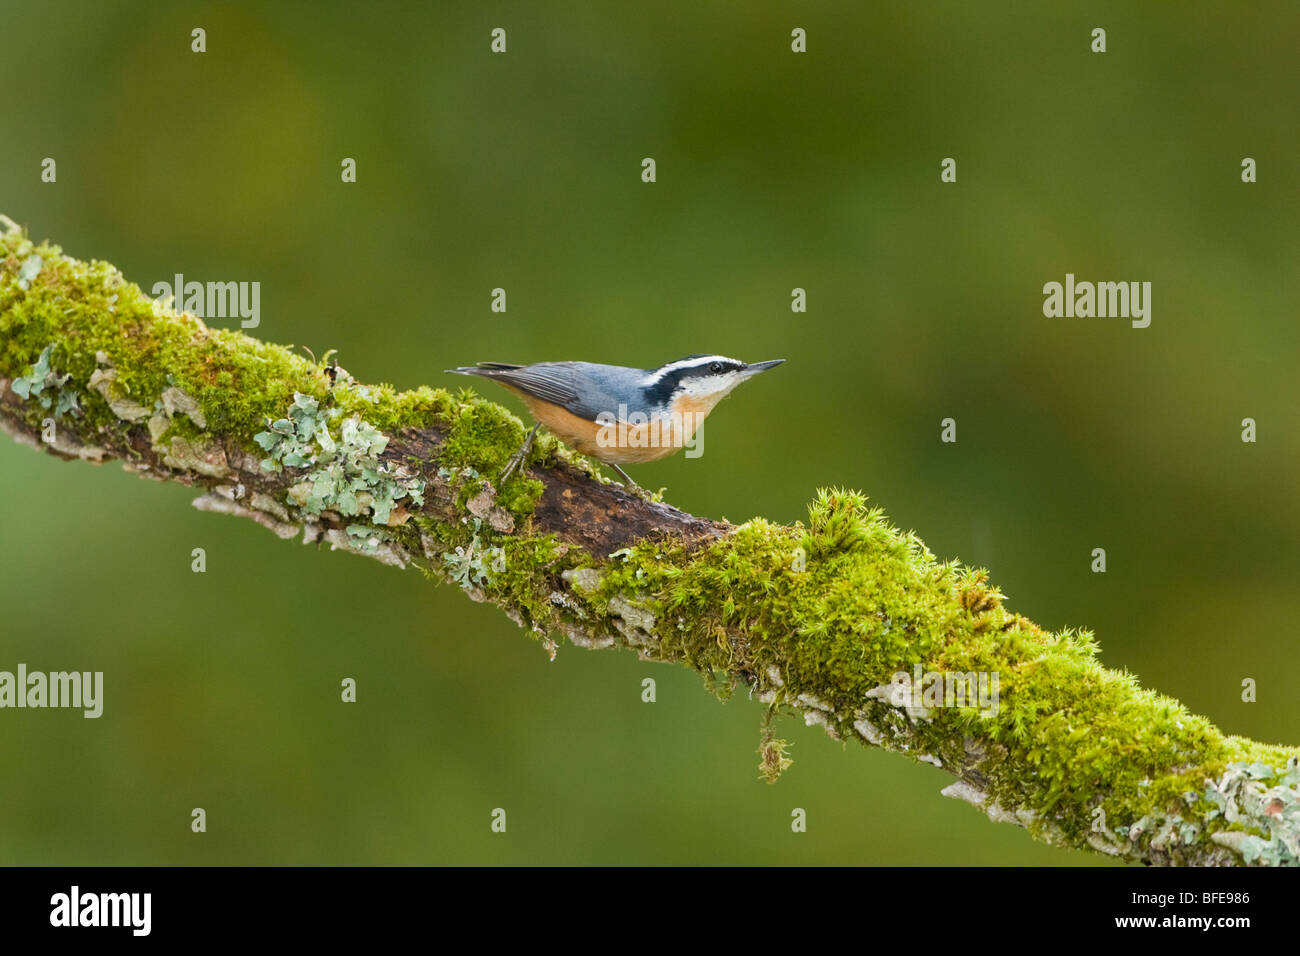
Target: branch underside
x=818 y=620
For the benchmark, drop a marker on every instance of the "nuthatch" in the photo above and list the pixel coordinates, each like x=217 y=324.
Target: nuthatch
x=619 y=415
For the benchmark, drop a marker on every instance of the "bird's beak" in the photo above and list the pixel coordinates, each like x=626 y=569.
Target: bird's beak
x=755 y=367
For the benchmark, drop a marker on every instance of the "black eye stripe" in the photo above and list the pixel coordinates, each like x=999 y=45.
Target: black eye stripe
x=669 y=381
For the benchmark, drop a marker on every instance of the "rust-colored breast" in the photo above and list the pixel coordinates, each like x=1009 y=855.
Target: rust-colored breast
x=619 y=444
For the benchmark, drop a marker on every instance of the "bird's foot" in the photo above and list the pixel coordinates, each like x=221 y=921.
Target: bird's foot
x=516 y=461
x=643 y=493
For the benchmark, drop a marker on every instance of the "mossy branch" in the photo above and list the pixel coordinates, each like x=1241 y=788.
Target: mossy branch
x=815 y=620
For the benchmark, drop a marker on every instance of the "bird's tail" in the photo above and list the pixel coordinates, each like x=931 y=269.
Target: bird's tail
x=486 y=369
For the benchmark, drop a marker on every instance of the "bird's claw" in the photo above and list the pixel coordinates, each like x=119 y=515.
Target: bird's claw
x=518 y=458
x=643 y=493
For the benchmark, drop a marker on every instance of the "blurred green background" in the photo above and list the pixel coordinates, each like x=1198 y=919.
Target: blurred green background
x=775 y=170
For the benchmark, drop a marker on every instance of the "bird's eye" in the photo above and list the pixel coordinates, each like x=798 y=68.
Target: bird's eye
x=715 y=368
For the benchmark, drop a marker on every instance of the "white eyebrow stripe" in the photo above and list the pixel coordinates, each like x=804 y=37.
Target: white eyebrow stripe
x=696 y=362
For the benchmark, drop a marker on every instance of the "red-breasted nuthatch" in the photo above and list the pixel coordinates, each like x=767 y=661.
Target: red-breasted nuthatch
x=620 y=415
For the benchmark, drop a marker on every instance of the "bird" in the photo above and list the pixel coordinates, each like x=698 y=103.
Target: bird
x=615 y=414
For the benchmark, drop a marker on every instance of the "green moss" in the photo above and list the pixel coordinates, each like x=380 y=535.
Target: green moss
x=238 y=381
x=483 y=436
x=774 y=757
x=1069 y=734
x=520 y=572
x=532 y=566
x=86 y=317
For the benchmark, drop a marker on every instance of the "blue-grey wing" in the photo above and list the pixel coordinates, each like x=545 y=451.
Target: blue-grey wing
x=582 y=388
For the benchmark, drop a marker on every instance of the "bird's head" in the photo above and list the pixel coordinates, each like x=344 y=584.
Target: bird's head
x=698 y=382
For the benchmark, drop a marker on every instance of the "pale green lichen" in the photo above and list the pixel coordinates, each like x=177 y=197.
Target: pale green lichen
x=29 y=270
x=47 y=387
x=346 y=475
x=175 y=401
x=1258 y=802
x=365 y=538
x=204 y=458
x=1264 y=802
x=474 y=564
x=104 y=382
